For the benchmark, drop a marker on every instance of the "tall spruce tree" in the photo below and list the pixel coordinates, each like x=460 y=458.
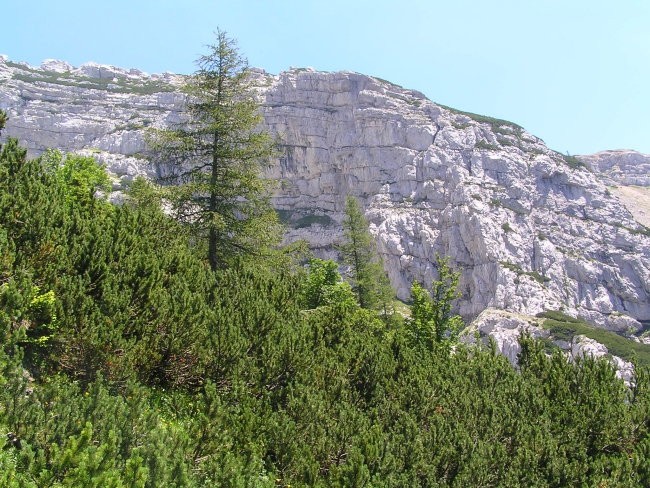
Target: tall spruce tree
x=367 y=275
x=215 y=156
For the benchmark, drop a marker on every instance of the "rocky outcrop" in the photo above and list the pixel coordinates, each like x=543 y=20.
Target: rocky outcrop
x=530 y=229
x=627 y=173
x=622 y=167
x=100 y=110
x=506 y=328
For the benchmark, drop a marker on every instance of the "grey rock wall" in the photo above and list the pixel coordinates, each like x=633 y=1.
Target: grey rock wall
x=622 y=167
x=529 y=230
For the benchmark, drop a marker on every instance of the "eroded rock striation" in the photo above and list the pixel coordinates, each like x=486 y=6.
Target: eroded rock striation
x=530 y=229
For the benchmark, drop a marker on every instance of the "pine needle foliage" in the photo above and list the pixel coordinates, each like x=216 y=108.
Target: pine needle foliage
x=214 y=158
x=156 y=370
x=366 y=270
x=432 y=320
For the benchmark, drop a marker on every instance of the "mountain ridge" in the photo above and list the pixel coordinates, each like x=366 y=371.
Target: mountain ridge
x=530 y=229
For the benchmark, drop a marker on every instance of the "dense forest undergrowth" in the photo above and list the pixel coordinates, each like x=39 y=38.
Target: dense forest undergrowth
x=126 y=360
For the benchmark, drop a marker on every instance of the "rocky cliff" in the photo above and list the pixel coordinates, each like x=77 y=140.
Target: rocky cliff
x=628 y=175
x=622 y=167
x=530 y=229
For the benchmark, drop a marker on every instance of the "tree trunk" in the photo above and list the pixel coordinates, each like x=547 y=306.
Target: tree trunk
x=213 y=235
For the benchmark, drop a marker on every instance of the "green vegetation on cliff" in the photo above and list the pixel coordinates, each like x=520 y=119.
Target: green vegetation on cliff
x=565 y=328
x=142 y=349
x=126 y=361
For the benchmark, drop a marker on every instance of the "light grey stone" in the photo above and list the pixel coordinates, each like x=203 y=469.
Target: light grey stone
x=623 y=166
x=506 y=328
x=527 y=232
x=56 y=65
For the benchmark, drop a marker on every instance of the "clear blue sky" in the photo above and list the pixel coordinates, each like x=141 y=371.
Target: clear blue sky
x=574 y=72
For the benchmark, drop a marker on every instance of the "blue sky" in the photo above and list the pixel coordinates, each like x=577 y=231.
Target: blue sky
x=574 y=72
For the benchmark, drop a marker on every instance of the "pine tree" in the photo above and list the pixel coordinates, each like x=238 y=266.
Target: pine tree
x=432 y=321
x=215 y=158
x=367 y=275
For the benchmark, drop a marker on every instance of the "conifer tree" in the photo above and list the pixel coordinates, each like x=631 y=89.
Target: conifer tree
x=432 y=321
x=178 y=376
x=81 y=176
x=368 y=278
x=216 y=155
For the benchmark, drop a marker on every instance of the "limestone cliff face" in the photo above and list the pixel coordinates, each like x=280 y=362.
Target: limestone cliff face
x=622 y=167
x=530 y=229
x=627 y=173
x=101 y=110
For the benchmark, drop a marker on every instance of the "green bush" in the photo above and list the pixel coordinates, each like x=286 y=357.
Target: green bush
x=160 y=372
x=494 y=123
x=484 y=145
x=565 y=327
x=573 y=162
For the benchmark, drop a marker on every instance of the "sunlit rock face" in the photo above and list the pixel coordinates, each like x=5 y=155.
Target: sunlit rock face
x=529 y=229
x=623 y=167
